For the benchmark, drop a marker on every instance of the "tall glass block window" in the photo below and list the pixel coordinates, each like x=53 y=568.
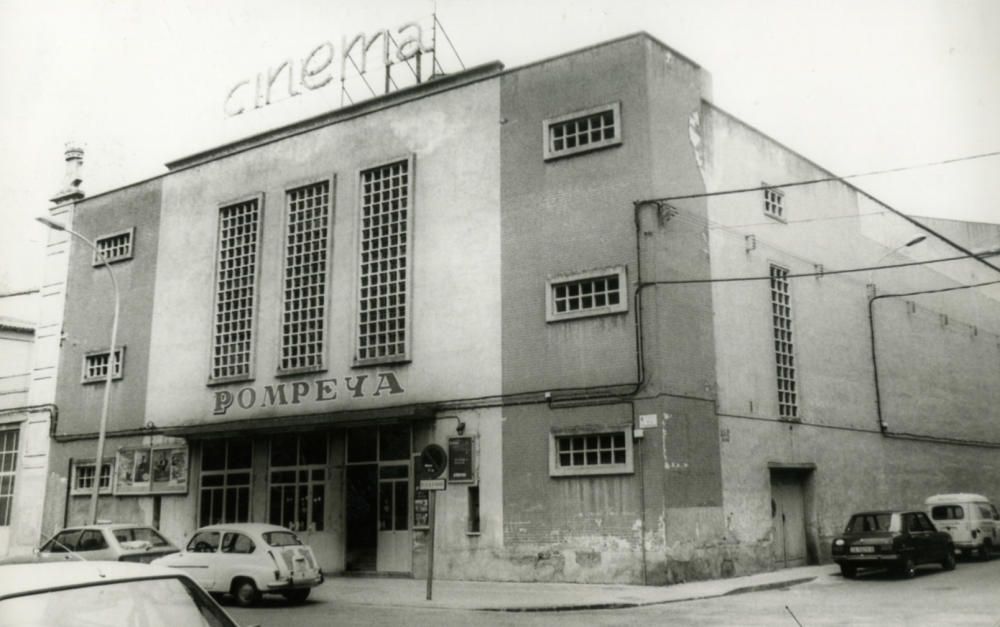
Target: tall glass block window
x=297 y=478
x=784 y=348
x=235 y=283
x=307 y=244
x=385 y=239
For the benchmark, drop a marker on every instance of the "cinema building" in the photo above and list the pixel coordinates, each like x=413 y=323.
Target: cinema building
x=636 y=381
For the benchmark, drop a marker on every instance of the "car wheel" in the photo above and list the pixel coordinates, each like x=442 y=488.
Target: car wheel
x=245 y=592
x=296 y=596
x=907 y=568
x=849 y=571
x=949 y=560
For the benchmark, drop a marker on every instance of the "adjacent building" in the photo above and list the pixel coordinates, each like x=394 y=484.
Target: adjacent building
x=637 y=379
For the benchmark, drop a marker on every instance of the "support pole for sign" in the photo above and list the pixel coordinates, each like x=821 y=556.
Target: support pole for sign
x=430 y=546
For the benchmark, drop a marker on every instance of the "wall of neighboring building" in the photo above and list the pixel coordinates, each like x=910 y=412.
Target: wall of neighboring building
x=16 y=348
x=836 y=449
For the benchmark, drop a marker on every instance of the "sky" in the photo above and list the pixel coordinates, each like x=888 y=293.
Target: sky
x=853 y=85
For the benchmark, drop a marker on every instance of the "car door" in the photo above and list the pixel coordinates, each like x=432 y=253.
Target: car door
x=987 y=524
x=198 y=560
x=935 y=542
x=93 y=545
x=236 y=557
x=915 y=537
x=61 y=547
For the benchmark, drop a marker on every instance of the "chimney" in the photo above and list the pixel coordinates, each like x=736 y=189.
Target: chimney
x=71 y=185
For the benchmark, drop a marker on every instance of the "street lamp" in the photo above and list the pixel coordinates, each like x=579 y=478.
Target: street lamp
x=912 y=242
x=99 y=462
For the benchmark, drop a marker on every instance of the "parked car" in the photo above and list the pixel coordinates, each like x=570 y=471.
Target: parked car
x=971 y=520
x=104 y=594
x=115 y=542
x=897 y=540
x=247 y=560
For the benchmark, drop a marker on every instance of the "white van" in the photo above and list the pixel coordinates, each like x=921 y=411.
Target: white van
x=972 y=521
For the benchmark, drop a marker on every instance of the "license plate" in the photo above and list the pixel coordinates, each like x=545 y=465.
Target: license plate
x=862 y=549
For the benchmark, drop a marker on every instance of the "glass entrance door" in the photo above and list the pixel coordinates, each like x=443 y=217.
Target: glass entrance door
x=394 y=550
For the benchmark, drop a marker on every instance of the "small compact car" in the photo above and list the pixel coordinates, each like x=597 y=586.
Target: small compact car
x=897 y=540
x=112 y=542
x=247 y=560
x=970 y=519
x=104 y=594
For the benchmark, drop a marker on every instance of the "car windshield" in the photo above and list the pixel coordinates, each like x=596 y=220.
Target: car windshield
x=861 y=523
x=281 y=538
x=139 y=536
x=167 y=602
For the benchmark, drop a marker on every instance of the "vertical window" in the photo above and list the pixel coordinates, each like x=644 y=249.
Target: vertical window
x=236 y=273
x=774 y=203
x=225 y=481
x=115 y=247
x=83 y=477
x=383 y=310
x=297 y=482
x=8 y=471
x=784 y=348
x=95 y=366
x=582 y=131
x=473 y=521
x=307 y=236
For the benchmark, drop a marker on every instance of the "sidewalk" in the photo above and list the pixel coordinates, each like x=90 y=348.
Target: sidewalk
x=538 y=597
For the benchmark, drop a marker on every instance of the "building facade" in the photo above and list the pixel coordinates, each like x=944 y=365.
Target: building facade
x=528 y=267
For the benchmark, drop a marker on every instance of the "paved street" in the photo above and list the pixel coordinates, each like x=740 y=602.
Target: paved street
x=968 y=596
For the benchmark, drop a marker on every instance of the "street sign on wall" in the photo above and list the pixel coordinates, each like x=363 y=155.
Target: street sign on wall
x=461 y=460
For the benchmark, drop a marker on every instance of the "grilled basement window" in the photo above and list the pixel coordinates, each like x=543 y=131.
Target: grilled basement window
x=784 y=348
x=307 y=244
x=597 y=451
x=583 y=131
x=592 y=293
x=472 y=526
x=297 y=482
x=774 y=203
x=224 y=494
x=83 y=477
x=8 y=472
x=383 y=312
x=95 y=365
x=114 y=247
x=236 y=284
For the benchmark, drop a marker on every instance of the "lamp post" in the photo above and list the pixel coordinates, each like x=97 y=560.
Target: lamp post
x=911 y=242
x=102 y=429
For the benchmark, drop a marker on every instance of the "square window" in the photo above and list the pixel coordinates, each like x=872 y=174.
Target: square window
x=774 y=203
x=114 y=247
x=95 y=366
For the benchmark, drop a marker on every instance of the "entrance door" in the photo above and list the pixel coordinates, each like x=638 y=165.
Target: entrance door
x=394 y=550
x=361 y=517
x=788 y=518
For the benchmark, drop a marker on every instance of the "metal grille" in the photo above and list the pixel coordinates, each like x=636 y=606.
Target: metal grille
x=596 y=449
x=594 y=293
x=784 y=353
x=114 y=247
x=306 y=246
x=583 y=131
x=384 y=245
x=8 y=471
x=773 y=203
x=95 y=366
x=239 y=230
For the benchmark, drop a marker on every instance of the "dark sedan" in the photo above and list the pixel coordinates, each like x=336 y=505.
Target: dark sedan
x=900 y=541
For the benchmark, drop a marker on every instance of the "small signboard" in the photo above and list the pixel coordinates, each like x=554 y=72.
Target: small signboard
x=433 y=484
x=461 y=460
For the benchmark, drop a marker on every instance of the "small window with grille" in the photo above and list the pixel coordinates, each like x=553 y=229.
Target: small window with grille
x=95 y=365
x=235 y=290
x=307 y=245
x=774 y=203
x=591 y=451
x=582 y=131
x=84 y=472
x=784 y=347
x=592 y=293
x=114 y=247
x=383 y=309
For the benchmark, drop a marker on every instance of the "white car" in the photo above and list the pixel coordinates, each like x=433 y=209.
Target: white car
x=248 y=559
x=104 y=594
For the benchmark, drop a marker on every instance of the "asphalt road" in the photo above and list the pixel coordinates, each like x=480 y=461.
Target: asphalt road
x=970 y=595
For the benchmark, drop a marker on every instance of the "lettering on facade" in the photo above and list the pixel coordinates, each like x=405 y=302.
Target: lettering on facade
x=317 y=68
x=298 y=392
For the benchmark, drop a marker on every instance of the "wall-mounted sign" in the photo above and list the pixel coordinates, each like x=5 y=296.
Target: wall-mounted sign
x=151 y=470
x=433 y=461
x=298 y=392
x=318 y=67
x=461 y=460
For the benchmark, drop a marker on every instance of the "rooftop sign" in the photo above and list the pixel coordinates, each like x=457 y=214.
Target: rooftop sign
x=325 y=62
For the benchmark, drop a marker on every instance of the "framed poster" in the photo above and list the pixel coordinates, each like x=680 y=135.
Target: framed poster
x=152 y=470
x=461 y=460
x=170 y=469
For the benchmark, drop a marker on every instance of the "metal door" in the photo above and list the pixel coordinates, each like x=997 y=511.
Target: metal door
x=788 y=520
x=394 y=545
